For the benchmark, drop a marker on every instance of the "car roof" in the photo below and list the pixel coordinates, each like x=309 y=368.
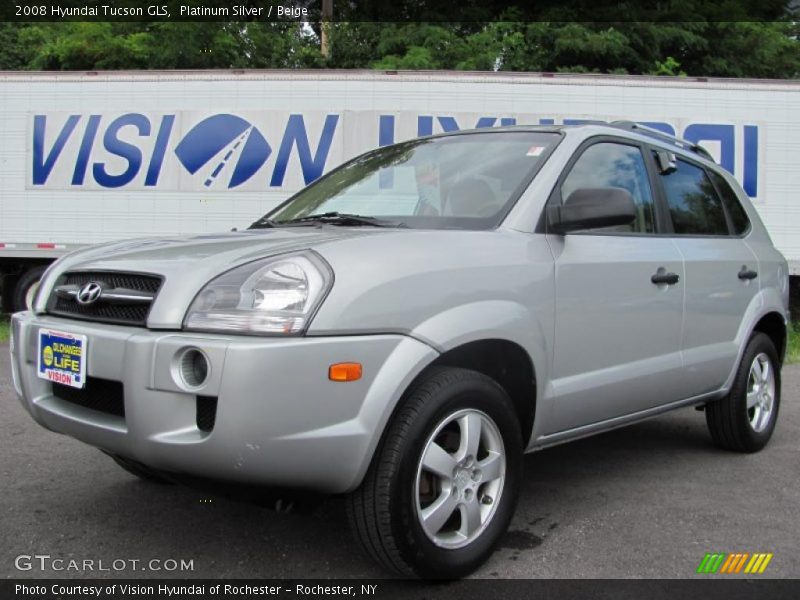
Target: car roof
x=622 y=129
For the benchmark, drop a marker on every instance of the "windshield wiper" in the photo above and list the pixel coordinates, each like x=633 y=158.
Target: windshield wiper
x=263 y=223
x=337 y=218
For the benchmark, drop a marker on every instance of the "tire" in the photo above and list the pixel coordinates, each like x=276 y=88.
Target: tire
x=26 y=287
x=139 y=470
x=385 y=512
x=735 y=426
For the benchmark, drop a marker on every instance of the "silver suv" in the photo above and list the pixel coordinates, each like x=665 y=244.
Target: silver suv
x=405 y=328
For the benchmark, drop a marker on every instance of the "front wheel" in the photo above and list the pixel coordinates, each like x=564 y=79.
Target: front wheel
x=744 y=420
x=443 y=485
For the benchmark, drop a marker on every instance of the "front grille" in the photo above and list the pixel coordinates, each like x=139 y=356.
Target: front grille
x=116 y=311
x=206 y=412
x=102 y=395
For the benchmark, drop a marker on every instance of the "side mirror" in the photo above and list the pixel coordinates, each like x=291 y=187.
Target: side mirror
x=592 y=208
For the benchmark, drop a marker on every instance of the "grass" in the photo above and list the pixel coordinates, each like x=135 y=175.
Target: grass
x=792 y=350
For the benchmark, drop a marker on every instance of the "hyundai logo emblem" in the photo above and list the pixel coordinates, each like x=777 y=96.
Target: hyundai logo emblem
x=89 y=293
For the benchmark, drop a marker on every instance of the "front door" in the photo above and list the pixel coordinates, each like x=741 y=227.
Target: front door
x=619 y=301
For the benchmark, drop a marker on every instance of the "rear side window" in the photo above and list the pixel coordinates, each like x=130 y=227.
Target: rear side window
x=608 y=164
x=738 y=217
x=694 y=206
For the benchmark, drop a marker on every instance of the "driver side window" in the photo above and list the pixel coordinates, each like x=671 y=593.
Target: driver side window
x=609 y=164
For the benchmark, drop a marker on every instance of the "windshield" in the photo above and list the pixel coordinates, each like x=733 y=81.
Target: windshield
x=462 y=182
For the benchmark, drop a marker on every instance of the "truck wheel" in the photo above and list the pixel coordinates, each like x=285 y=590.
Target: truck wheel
x=443 y=484
x=26 y=288
x=138 y=470
x=744 y=420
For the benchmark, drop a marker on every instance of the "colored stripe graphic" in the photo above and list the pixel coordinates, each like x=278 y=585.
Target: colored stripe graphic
x=741 y=562
x=733 y=563
x=729 y=562
x=703 y=564
x=764 y=564
x=711 y=562
x=758 y=563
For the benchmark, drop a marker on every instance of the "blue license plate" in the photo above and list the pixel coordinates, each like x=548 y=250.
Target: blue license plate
x=62 y=357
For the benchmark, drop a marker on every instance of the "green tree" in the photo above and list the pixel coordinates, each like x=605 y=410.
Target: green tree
x=14 y=56
x=283 y=45
x=758 y=39
x=164 y=45
x=738 y=49
x=84 y=46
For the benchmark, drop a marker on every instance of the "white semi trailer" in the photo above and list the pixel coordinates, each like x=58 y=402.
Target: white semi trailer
x=89 y=157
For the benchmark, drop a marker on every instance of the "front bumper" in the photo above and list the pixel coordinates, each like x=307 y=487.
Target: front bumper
x=279 y=420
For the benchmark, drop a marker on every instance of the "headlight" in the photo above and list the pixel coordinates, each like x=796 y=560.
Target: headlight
x=278 y=295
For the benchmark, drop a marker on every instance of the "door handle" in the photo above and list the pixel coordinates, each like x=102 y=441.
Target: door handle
x=663 y=277
x=746 y=274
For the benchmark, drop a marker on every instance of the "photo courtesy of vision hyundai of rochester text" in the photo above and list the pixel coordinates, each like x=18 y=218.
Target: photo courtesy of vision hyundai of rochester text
x=405 y=328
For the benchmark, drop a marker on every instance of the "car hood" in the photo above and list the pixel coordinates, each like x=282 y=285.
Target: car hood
x=188 y=263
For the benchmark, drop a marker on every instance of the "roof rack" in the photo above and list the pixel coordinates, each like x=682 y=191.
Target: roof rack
x=664 y=137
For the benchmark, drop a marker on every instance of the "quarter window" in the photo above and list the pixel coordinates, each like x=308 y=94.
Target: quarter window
x=694 y=206
x=608 y=164
x=738 y=217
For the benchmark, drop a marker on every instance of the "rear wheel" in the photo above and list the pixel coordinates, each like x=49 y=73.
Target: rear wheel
x=744 y=420
x=444 y=481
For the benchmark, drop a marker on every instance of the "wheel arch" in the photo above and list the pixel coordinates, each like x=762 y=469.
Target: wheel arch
x=482 y=335
x=484 y=355
x=508 y=364
x=773 y=324
x=473 y=336
x=767 y=314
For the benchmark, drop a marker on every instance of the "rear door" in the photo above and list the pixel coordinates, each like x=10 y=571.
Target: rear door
x=617 y=333
x=709 y=227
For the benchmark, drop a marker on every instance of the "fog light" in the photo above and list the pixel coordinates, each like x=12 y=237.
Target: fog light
x=345 y=372
x=193 y=367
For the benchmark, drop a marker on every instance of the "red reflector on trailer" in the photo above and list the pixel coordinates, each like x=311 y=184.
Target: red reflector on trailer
x=46 y=246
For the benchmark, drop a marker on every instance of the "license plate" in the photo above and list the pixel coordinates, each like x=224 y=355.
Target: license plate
x=62 y=357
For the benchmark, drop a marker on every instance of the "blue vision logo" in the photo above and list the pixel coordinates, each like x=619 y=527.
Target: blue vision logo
x=142 y=143
x=213 y=135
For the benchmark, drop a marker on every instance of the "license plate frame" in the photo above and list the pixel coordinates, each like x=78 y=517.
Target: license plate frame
x=61 y=357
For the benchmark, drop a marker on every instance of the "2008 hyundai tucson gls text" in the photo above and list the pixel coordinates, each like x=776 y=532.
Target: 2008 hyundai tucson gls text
x=406 y=327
